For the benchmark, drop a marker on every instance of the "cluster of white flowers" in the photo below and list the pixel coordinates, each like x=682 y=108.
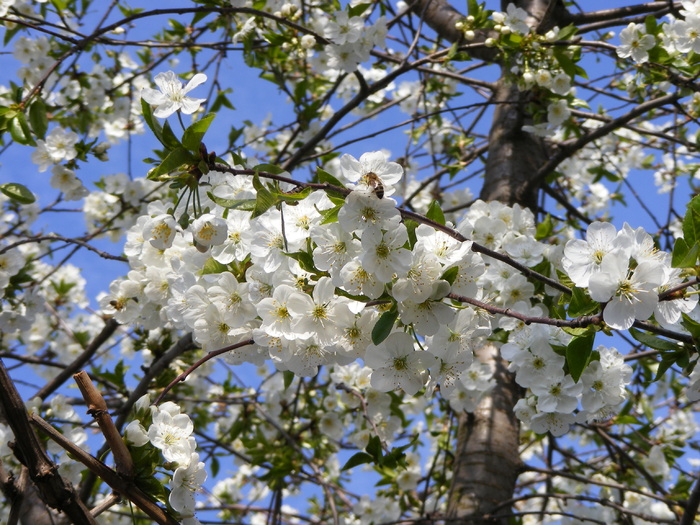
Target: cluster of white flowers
x=351 y=40
x=625 y=270
x=678 y=37
x=59 y=146
x=34 y=54
x=302 y=319
x=513 y=20
x=170 y=431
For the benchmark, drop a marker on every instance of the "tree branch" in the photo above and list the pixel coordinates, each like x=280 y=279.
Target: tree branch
x=55 y=491
x=106 y=474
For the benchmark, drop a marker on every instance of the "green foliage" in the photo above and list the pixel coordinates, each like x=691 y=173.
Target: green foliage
x=581 y=303
x=385 y=325
x=687 y=248
x=434 y=213
x=374 y=454
x=578 y=354
x=17 y=192
x=194 y=133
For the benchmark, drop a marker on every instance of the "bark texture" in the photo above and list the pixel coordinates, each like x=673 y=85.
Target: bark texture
x=514 y=156
x=487 y=460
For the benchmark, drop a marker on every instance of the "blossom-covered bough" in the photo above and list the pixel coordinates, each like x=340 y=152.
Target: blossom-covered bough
x=309 y=302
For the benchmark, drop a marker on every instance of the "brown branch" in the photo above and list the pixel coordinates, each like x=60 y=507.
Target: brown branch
x=209 y=356
x=109 y=329
x=691 y=507
x=106 y=474
x=566 y=150
x=53 y=489
x=97 y=408
x=618 y=13
x=579 y=322
x=67 y=240
x=179 y=348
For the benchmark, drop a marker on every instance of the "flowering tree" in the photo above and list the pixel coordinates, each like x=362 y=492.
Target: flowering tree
x=314 y=302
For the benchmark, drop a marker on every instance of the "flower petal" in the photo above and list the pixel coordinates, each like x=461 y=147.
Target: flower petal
x=196 y=80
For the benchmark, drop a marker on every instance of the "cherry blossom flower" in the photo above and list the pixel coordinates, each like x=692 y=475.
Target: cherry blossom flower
x=604 y=381
x=397 y=364
x=208 y=230
x=514 y=19
x=363 y=211
x=172 y=96
x=668 y=312
x=343 y=29
x=630 y=294
x=358 y=171
x=320 y=316
x=276 y=313
x=136 y=434
x=160 y=231
x=634 y=42
x=171 y=433
x=384 y=253
x=582 y=258
x=334 y=249
x=558 y=112
x=686 y=34
x=187 y=479
x=555 y=422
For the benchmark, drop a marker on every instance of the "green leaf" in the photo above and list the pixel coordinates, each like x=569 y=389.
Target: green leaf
x=288 y=377
x=578 y=355
x=565 y=62
x=384 y=325
x=17 y=192
x=453 y=51
x=435 y=214
x=668 y=359
x=295 y=197
x=325 y=177
x=213 y=266
x=581 y=303
x=170 y=141
x=38 y=118
x=305 y=260
x=684 y=256
x=450 y=275
x=331 y=215
x=692 y=326
x=374 y=448
x=691 y=222
x=214 y=465
x=396 y=458
x=194 y=134
x=269 y=168
x=358 y=9
x=264 y=200
x=241 y=204
x=359 y=458
x=151 y=121
x=175 y=159
x=566 y=32
x=545 y=228
x=655 y=342
x=20 y=132
x=651 y=25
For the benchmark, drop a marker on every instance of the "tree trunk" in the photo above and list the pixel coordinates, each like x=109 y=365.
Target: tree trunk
x=487 y=460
